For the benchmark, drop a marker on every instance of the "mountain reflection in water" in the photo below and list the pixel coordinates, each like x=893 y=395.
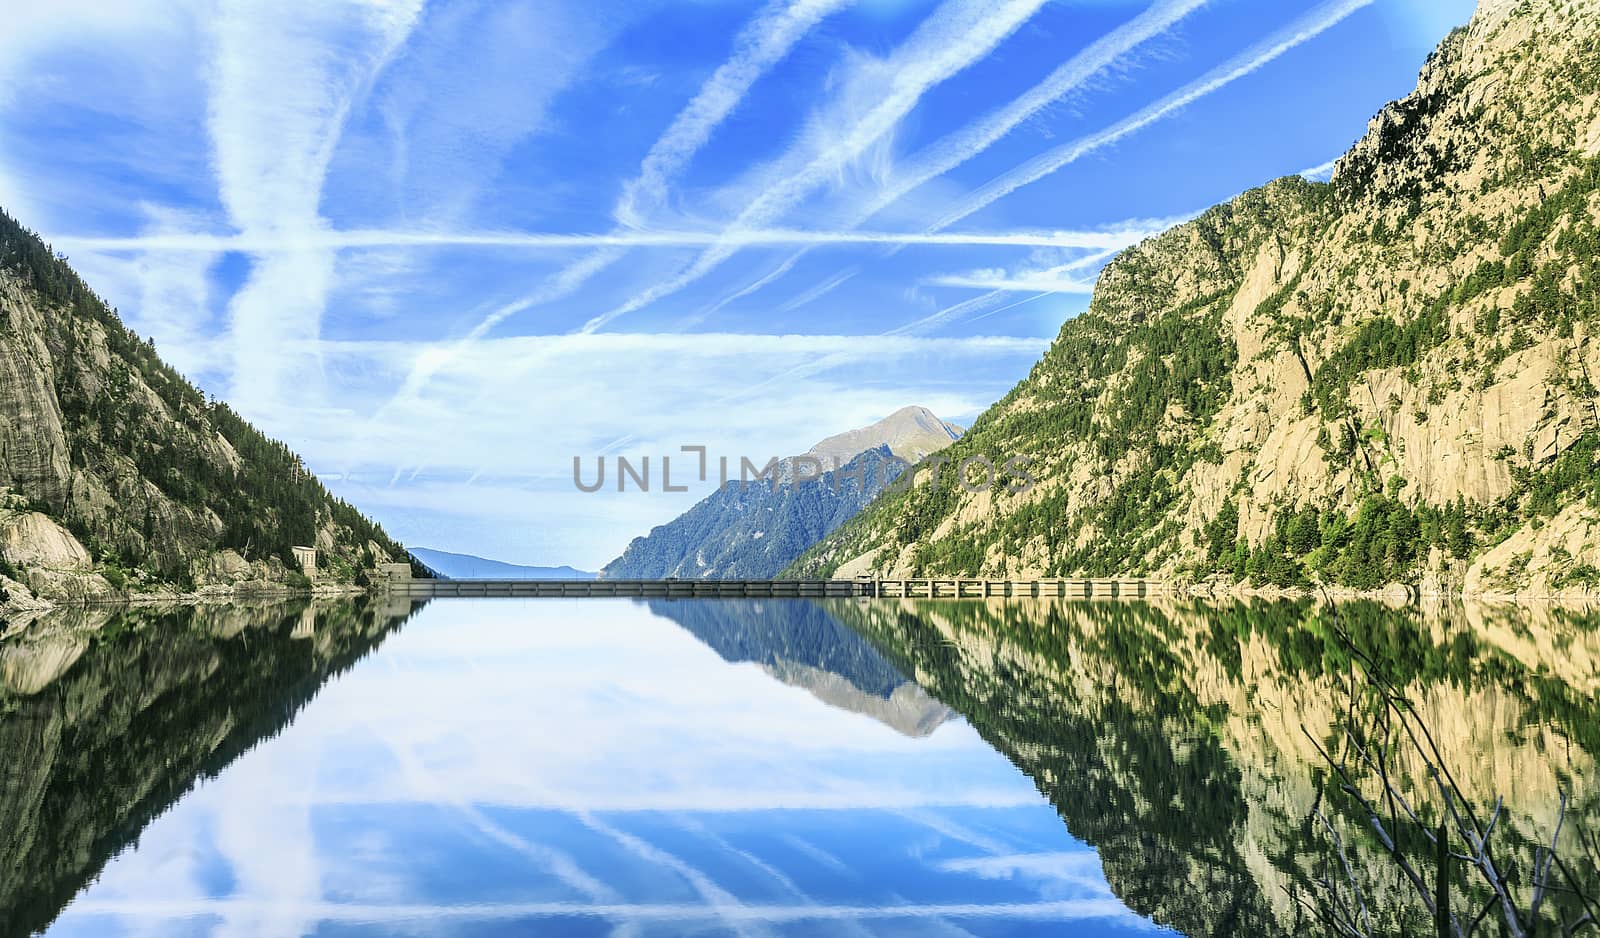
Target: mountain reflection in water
x=803 y=645
x=107 y=717
x=1180 y=739
x=781 y=767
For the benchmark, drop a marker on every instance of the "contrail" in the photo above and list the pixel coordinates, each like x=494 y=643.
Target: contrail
x=951 y=151
x=1304 y=30
x=762 y=43
x=956 y=148
x=776 y=237
x=278 y=96
x=818 y=291
x=961 y=33
x=1047 y=281
x=1307 y=28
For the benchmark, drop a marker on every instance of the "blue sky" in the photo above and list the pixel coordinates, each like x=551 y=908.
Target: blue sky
x=442 y=248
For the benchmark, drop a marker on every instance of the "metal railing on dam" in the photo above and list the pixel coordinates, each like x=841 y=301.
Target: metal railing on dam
x=945 y=588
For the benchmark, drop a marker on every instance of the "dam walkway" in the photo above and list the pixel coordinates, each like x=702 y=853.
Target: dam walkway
x=938 y=588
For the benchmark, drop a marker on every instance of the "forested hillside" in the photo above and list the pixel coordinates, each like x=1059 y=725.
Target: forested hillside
x=1386 y=378
x=157 y=487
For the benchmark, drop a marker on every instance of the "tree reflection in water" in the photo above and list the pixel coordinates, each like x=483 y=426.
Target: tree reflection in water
x=1185 y=741
x=109 y=716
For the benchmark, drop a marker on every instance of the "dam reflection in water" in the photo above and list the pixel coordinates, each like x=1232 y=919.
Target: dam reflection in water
x=728 y=767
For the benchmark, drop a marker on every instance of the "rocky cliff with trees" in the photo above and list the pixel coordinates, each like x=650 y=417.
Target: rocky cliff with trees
x=1388 y=378
x=118 y=476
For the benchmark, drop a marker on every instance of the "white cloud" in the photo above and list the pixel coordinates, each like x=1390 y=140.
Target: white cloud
x=325 y=239
x=765 y=41
x=50 y=52
x=33 y=28
x=1302 y=31
x=282 y=83
x=875 y=95
x=173 y=304
x=487 y=399
x=1320 y=173
x=14 y=198
x=958 y=147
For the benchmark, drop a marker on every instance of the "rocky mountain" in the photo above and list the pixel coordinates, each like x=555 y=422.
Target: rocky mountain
x=468 y=567
x=1386 y=378
x=117 y=475
x=912 y=433
x=754 y=530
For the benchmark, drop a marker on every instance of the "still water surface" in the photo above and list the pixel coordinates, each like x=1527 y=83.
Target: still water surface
x=730 y=767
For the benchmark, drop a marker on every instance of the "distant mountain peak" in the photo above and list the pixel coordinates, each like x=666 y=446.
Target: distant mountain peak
x=911 y=433
x=756 y=531
x=470 y=567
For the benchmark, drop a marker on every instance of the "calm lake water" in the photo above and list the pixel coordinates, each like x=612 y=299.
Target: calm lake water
x=734 y=767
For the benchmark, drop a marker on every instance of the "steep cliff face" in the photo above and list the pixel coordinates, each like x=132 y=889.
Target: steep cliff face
x=117 y=475
x=1388 y=377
